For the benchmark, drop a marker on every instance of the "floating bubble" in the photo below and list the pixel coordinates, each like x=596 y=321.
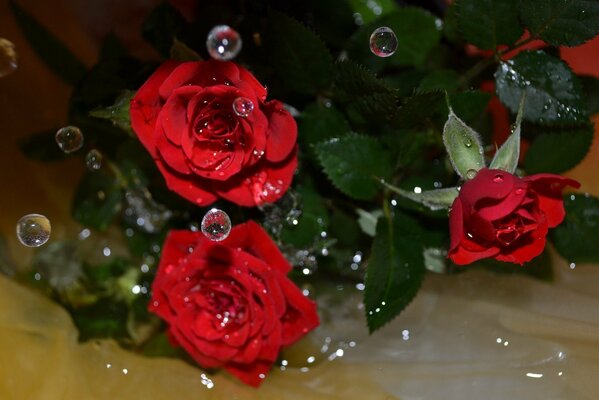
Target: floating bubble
x=8 y=57
x=243 y=107
x=216 y=225
x=33 y=230
x=383 y=42
x=69 y=139
x=93 y=160
x=470 y=174
x=223 y=43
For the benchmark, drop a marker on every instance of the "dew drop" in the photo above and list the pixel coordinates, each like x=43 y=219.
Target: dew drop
x=383 y=42
x=519 y=191
x=498 y=178
x=69 y=139
x=468 y=143
x=216 y=225
x=93 y=160
x=243 y=107
x=33 y=230
x=8 y=57
x=470 y=174
x=223 y=43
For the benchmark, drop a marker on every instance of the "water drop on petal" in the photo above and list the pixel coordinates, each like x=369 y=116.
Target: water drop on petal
x=383 y=42
x=498 y=178
x=93 y=160
x=223 y=43
x=33 y=230
x=69 y=139
x=8 y=57
x=243 y=107
x=216 y=225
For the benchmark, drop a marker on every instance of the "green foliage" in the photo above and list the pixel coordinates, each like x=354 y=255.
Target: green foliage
x=395 y=270
x=298 y=55
x=355 y=164
x=507 y=156
x=558 y=149
x=418 y=33
x=576 y=238
x=97 y=200
x=118 y=113
x=320 y=122
x=51 y=50
x=553 y=91
x=162 y=27
x=561 y=22
x=489 y=23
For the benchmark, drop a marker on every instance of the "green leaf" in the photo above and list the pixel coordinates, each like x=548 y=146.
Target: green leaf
x=416 y=110
x=42 y=146
x=368 y=220
x=181 y=52
x=51 y=50
x=162 y=26
x=365 y=11
x=506 y=158
x=489 y=23
x=395 y=270
x=558 y=149
x=354 y=164
x=417 y=31
x=354 y=80
x=441 y=79
x=320 y=122
x=437 y=199
x=590 y=85
x=561 y=22
x=97 y=200
x=553 y=92
x=463 y=146
x=576 y=238
x=118 y=113
x=298 y=55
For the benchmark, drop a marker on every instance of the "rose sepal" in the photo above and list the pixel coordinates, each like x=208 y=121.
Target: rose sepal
x=506 y=157
x=436 y=199
x=463 y=145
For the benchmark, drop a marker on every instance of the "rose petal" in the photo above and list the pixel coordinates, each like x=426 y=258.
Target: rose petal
x=301 y=316
x=205 y=74
x=187 y=186
x=456 y=224
x=491 y=184
x=146 y=105
x=527 y=248
x=252 y=374
x=462 y=256
x=173 y=116
x=493 y=211
x=172 y=155
x=549 y=188
x=282 y=131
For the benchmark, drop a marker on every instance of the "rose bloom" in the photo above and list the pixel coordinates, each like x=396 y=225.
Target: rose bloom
x=183 y=115
x=499 y=215
x=230 y=304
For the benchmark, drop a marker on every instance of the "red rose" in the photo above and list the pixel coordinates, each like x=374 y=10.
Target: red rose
x=230 y=304
x=184 y=117
x=502 y=216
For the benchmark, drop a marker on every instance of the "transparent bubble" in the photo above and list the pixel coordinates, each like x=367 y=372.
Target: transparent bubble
x=93 y=160
x=470 y=174
x=223 y=43
x=216 y=225
x=242 y=106
x=383 y=42
x=69 y=139
x=8 y=57
x=33 y=230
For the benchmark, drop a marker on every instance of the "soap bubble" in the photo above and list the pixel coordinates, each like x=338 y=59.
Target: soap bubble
x=383 y=42
x=69 y=139
x=33 y=230
x=8 y=57
x=93 y=160
x=216 y=225
x=223 y=43
x=242 y=106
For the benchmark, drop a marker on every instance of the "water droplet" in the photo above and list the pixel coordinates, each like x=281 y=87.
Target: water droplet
x=69 y=139
x=498 y=178
x=93 y=160
x=470 y=174
x=33 y=230
x=243 y=107
x=216 y=225
x=383 y=42
x=223 y=43
x=8 y=57
x=467 y=142
x=519 y=191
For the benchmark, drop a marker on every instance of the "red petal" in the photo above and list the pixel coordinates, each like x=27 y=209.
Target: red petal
x=146 y=105
x=252 y=374
x=301 y=316
x=173 y=115
x=187 y=186
x=488 y=184
x=462 y=256
x=525 y=249
x=493 y=211
x=549 y=188
x=172 y=155
x=199 y=73
x=456 y=224
x=282 y=131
